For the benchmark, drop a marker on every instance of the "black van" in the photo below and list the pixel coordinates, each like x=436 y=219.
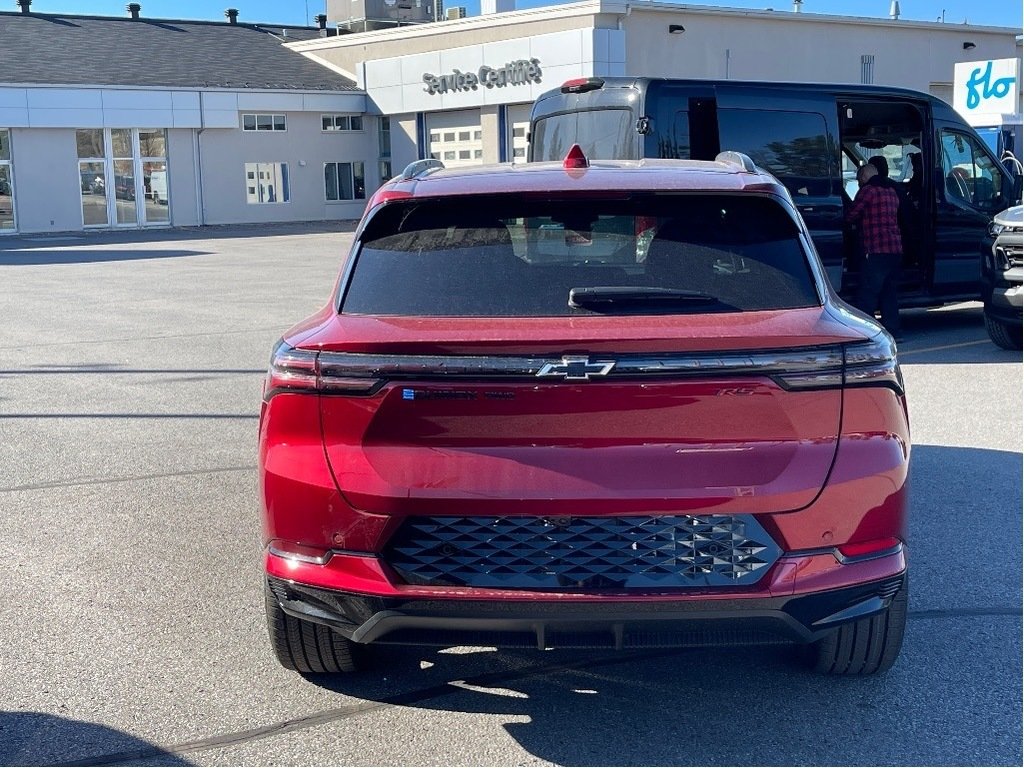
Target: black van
x=812 y=137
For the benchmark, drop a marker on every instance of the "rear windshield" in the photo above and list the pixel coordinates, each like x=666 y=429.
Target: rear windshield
x=603 y=134
x=505 y=256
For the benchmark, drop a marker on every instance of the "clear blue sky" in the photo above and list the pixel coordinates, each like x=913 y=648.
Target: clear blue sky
x=1003 y=13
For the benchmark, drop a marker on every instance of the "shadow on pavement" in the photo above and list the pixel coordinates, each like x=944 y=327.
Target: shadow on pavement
x=946 y=702
x=34 y=258
x=36 y=738
x=162 y=235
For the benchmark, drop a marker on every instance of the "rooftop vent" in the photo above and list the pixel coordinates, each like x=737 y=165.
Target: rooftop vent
x=25 y=5
x=232 y=14
x=133 y=9
x=321 y=20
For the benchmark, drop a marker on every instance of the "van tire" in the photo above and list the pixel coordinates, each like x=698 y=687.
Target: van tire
x=866 y=647
x=1003 y=334
x=305 y=647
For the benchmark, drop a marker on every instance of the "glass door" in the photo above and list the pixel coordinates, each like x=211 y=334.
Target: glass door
x=6 y=184
x=123 y=173
x=125 y=207
x=92 y=172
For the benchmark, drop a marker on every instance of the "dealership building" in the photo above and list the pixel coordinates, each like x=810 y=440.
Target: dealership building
x=134 y=122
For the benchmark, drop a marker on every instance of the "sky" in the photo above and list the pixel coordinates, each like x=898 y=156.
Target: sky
x=1001 y=13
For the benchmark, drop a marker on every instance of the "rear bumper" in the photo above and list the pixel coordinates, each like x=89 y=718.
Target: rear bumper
x=788 y=614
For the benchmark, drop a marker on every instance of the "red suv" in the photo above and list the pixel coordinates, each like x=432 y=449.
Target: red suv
x=608 y=405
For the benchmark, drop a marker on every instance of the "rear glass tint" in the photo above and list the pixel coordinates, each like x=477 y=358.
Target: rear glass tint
x=505 y=256
x=603 y=134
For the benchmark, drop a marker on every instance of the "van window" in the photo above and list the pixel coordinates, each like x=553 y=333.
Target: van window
x=603 y=134
x=791 y=145
x=971 y=176
x=506 y=256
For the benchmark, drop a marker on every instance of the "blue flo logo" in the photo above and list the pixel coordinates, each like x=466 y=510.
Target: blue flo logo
x=988 y=89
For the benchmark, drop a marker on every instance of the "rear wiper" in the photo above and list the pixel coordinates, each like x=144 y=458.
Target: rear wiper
x=613 y=298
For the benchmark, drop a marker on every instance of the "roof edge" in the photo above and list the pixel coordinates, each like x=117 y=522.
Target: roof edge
x=622 y=8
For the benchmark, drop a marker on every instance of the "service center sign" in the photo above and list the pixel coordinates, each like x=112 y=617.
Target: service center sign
x=521 y=72
x=987 y=87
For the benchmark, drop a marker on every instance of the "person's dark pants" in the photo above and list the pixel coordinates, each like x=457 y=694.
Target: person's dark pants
x=879 y=288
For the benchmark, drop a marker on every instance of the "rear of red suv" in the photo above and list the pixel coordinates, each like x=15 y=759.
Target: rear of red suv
x=585 y=406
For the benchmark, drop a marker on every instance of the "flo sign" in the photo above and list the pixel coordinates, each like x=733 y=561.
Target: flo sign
x=521 y=72
x=987 y=87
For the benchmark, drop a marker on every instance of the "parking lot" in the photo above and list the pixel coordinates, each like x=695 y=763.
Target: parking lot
x=132 y=628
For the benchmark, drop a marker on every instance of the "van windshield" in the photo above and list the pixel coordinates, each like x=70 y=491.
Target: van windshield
x=507 y=256
x=603 y=134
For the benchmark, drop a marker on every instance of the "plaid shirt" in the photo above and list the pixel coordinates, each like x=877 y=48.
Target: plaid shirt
x=875 y=210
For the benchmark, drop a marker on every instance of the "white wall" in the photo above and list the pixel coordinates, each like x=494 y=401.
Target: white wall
x=47 y=186
x=305 y=148
x=181 y=168
x=782 y=47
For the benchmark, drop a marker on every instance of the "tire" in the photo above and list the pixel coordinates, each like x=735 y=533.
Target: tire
x=864 y=647
x=1003 y=334
x=306 y=647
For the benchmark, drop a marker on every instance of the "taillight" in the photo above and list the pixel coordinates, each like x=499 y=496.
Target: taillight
x=290 y=370
x=866 y=550
x=873 y=364
x=582 y=85
x=305 y=370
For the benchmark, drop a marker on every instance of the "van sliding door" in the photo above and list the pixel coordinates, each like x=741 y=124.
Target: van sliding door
x=683 y=123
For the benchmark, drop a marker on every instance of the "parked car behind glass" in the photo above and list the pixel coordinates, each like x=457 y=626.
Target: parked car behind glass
x=564 y=405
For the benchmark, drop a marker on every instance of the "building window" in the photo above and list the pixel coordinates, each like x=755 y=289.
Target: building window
x=341 y=122
x=517 y=140
x=457 y=145
x=266 y=183
x=153 y=158
x=260 y=122
x=384 y=147
x=6 y=182
x=344 y=181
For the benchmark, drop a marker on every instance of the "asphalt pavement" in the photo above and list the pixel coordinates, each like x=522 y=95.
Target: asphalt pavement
x=131 y=619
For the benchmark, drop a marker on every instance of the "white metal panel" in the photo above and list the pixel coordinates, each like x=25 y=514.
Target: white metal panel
x=65 y=118
x=64 y=98
x=497 y=53
x=137 y=118
x=136 y=99
x=186 y=118
x=220 y=100
x=221 y=118
x=269 y=102
x=13 y=98
x=324 y=102
x=414 y=67
x=559 y=48
x=467 y=59
x=185 y=99
x=14 y=117
x=390 y=100
x=384 y=72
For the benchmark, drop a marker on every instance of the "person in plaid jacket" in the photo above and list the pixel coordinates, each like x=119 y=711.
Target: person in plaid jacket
x=875 y=211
